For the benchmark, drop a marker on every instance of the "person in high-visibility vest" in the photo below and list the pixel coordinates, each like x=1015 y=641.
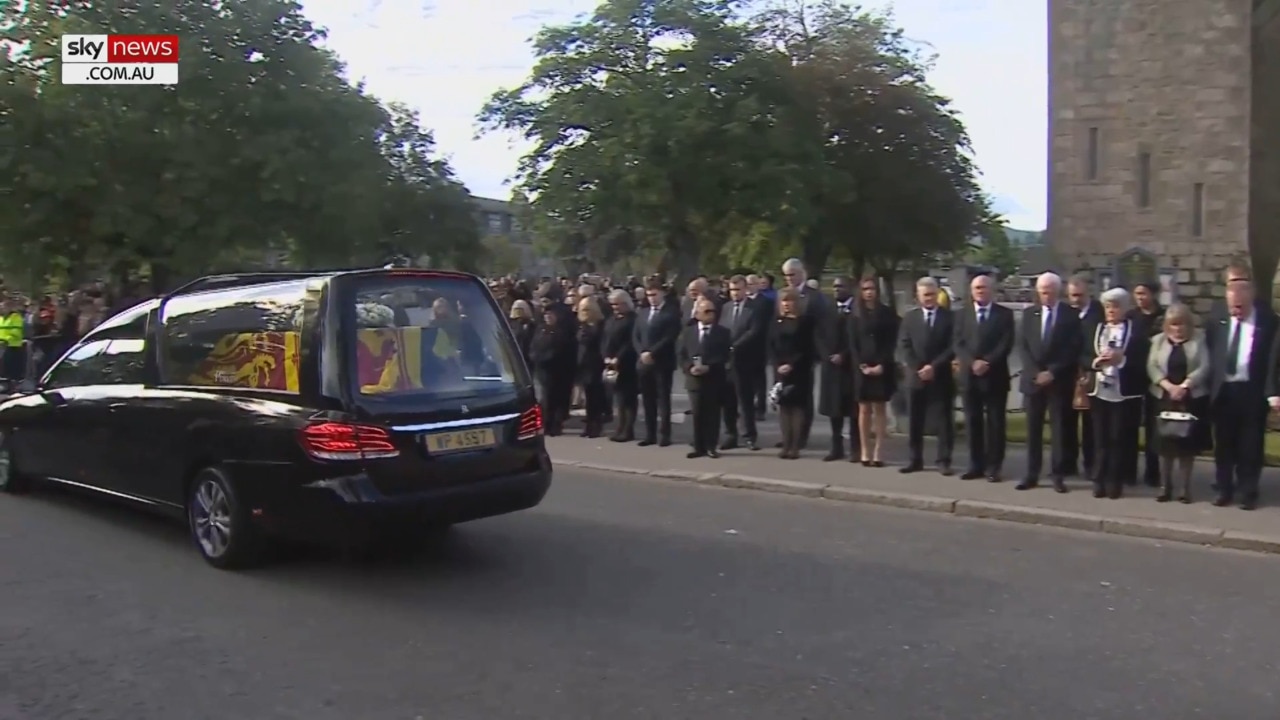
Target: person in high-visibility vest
x=13 y=326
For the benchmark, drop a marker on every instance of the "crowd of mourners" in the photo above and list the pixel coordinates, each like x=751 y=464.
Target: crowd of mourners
x=1094 y=372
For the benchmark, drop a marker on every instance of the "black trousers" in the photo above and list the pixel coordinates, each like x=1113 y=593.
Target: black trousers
x=791 y=420
x=626 y=405
x=557 y=396
x=655 y=395
x=1151 y=449
x=921 y=405
x=760 y=383
x=738 y=395
x=596 y=400
x=1115 y=438
x=984 y=422
x=1239 y=438
x=1079 y=441
x=706 y=403
x=1054 y=404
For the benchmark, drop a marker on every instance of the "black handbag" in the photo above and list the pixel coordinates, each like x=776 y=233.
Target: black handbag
x=1173 y=425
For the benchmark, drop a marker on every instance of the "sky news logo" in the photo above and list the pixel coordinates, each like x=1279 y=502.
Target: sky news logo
x=119 y=59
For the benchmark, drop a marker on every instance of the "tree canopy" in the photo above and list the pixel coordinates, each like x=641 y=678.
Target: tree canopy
x=685 y=128
x=263 y=152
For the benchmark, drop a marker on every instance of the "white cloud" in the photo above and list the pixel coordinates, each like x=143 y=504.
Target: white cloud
x=447 y=57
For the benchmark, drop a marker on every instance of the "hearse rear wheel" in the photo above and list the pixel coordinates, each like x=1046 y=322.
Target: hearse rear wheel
x=12 y=481
x=221 y=527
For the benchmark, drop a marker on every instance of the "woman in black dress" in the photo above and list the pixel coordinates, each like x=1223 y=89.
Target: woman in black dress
x=553 y=353
x=791 y=346
x=1178 y=366
x=620 y=362
x=873 y=338
x=590 y=375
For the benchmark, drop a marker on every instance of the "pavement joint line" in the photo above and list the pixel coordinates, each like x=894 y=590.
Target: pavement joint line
x=978 y=509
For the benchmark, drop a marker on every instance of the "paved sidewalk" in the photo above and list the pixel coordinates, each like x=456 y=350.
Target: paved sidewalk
x=1137 y=514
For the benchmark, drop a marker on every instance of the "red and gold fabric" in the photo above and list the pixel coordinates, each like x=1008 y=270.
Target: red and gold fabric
x=389 y=359
x=263 y=360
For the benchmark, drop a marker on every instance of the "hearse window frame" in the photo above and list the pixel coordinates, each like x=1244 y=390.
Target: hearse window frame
x=174 y=308
x=124 y=325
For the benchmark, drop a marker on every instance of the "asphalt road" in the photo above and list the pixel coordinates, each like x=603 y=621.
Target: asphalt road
x=624 y=598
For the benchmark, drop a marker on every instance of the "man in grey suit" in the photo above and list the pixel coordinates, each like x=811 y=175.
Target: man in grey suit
x=1049 y=347
x=748 y=326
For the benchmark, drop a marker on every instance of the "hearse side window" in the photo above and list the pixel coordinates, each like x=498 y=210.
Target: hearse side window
x=100 y=362
x=243 y=338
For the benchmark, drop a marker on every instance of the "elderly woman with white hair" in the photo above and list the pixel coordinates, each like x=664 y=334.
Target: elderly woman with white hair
x=1115 y=355
x=620 y=359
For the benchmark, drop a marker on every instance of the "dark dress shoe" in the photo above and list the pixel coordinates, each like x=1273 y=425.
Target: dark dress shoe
x=1060 y=486
x=1249 y=503
x=876 y=464
x=1027 y=484
x=1116 y=492
x=753 y=445
x=1164 y=497
x=971 y=475
x=696 y=454
x=729 y=444
x=833 y=456
x=1099 y=491
x=646 y=442
x=1222 y=500
x=994 y=478
x=664 y=442
x=911 y=468
x=713 y=453
x=945 y=470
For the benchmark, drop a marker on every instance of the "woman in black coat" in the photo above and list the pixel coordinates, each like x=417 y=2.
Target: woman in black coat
x=620 y=358
x=873 y=339
x=523 y=326
x=791 y=344
x=1115 y=356
x=835 y=388
x=553 y=352
x=590 y=374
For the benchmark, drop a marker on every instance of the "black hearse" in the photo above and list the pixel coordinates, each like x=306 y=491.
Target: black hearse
x=325 y=407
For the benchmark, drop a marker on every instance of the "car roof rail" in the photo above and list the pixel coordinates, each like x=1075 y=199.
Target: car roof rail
x=234 y=280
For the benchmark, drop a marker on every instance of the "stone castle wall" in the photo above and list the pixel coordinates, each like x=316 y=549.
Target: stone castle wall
x=1171 y=79
x=1264 y=219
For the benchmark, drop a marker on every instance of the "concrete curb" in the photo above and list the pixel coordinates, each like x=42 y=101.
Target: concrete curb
x=1130 y=527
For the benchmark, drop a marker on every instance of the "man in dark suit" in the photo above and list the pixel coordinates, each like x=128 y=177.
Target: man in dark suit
x=704 y=357
x=766 y=308
x=1078 y=439
x=1241 y=350
x=747 y=328
x=982 y=340
x=926 y=350
x=814 y=305
x=1049 y=348
x=656 y=332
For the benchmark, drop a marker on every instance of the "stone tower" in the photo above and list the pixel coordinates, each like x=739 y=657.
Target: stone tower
x=1164 y=122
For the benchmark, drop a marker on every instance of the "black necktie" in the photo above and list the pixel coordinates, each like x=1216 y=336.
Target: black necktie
x=1233 y=350
x=1048 y=323
x=737 y=308
x=928 y=318
x=982 y=315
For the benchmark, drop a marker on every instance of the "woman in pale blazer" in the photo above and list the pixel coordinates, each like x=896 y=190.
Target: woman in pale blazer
x=1178 y=366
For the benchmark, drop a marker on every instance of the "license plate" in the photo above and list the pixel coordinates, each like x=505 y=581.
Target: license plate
x=459 y=440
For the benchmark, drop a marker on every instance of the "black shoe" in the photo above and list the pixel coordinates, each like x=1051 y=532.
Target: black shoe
x=972 y=475
x=944 y=469
x=696 y=454
x=911 y=468
x=1165 y=496
x=994 y=478
x=1060 y=486
x=1099 y=491
x=730 y=444
x=1223 y=500
x=646 y=442
x=752 y=444
x=1249 y=502
x=1116 y=492
x=664 y=442
x=833 y=456
x=1027 y=484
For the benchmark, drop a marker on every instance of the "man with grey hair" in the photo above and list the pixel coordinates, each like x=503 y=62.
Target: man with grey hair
x=924 y=344
x=1243 y=383
x=983 y=341
x=1049 y=348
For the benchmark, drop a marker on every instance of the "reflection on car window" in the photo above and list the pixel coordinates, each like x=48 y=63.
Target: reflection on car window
x=101 y=362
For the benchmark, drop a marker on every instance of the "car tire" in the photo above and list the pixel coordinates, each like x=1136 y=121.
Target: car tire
x=12 y=481
x=221 y=526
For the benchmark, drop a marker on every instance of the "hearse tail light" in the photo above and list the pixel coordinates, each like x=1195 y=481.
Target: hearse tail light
x=346 y=441
x=530 y=424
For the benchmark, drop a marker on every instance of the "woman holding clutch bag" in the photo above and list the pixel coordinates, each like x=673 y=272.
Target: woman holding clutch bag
x=1115 y=353
x=1178 y=367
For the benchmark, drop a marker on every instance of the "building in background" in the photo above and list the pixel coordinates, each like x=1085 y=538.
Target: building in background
x=499 y=224
x=1163 y=143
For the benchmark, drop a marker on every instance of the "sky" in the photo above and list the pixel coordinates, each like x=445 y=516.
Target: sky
x=446 y=57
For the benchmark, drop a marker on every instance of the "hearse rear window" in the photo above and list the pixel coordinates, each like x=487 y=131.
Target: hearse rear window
x=434 y=335
x=241 y=338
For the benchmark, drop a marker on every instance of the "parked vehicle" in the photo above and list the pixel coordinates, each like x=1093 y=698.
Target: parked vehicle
x=323 y=407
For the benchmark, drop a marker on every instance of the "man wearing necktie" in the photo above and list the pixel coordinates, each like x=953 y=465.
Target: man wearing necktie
x=835 y=387
x=704 y=355
x=924 y=344
x=1049 y=347
x=656 y=332
x=982 y=340
x=1243 y=354
x=748 y=330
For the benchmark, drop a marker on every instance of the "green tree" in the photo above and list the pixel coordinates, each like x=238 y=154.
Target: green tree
x=995 y=250
x=647 y=124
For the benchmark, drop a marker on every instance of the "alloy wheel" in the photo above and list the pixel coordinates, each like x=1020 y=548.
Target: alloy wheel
x=211 y=518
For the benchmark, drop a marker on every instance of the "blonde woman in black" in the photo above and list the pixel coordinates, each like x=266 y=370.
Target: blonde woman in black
x=791 y=353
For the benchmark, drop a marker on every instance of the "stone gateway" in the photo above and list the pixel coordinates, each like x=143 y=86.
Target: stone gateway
x=1163 y=138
